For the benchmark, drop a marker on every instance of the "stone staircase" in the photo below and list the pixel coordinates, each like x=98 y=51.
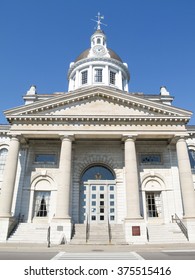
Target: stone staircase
x=98 y=234
x=165 y=233
x=29 y=233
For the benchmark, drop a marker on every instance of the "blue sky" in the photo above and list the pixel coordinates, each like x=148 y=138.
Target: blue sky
x=39 y=39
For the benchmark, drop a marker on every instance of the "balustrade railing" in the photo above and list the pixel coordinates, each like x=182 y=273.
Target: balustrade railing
x=87 y=229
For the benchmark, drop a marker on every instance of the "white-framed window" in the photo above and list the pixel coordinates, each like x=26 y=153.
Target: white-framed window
x=84 y=77
x=112 y=77
x=3 y=156
x=153 y=204
x=98 y=75
x=42 y=199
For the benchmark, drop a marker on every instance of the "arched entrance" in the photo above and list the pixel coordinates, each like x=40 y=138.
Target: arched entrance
x=97 y=195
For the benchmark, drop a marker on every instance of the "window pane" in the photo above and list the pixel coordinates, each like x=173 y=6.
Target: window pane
x=111 y=188
x=84 y=77
x=3 y=156
x=150 y=159
x=45 y=158
x=97 y=172
x=112 y=77
x=98 y=75
x=192 y=158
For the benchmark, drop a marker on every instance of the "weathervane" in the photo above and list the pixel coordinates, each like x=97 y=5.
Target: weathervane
x=99 y=23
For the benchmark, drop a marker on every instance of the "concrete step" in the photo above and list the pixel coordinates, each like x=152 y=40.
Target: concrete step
x=98 y=234
x=165 y=233
x=29 y=233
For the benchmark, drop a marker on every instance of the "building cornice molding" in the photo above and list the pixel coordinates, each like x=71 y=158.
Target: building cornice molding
x=115 y=96
x=92 y=120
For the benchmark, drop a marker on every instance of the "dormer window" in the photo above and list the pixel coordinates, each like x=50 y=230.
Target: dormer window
x=84 y=77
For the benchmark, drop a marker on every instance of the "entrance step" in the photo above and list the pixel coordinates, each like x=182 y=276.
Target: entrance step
x=79 y=234
x=165 y=233
x=29 y=233
x=98 y=234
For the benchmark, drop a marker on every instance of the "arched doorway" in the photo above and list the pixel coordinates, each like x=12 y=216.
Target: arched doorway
x=97 y=195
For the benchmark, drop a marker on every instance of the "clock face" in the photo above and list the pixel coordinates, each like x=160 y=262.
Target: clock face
x=99 y=50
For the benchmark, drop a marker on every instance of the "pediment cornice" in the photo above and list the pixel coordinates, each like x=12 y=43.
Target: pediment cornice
x=39 y=109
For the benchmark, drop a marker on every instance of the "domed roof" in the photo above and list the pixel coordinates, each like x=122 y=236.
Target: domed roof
x=86 y=53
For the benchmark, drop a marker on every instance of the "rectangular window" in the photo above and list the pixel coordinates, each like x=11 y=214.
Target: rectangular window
x=84 y=77
x=153 y=204
x=150 y=158
x=98 y=76
x=112 y=78
x=45 y=158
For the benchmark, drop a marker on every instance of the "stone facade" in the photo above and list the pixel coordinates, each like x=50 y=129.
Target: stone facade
x=97 y=154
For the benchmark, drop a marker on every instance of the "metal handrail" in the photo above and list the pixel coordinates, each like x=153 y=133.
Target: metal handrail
x=147 y=234
x=49 y=237
x=87 y=229
x=109 y=231
x=181 y=225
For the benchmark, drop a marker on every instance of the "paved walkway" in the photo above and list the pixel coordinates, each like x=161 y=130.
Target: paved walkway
x=96 y=248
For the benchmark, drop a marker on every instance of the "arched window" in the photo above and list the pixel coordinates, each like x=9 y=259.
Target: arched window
x=192 y=158
x=3 y=156
x=97 y=172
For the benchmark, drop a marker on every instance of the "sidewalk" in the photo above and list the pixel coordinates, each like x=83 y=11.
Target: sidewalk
x=21 y=247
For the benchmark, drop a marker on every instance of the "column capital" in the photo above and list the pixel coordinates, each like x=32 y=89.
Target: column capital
x=67 y=137
x=132 y=137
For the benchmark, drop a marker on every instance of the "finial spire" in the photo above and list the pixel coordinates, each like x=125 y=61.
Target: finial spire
x=99 y=23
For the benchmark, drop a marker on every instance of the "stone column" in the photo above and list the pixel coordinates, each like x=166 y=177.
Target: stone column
x=9 y=178
x=186 y=181
x=131 y=180
x=63 y=195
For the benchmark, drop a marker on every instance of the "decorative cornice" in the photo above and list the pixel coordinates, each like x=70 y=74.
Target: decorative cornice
x=112 y=96
x=99 y=119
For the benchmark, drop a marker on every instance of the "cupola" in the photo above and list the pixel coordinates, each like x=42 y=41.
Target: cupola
x=98 y=65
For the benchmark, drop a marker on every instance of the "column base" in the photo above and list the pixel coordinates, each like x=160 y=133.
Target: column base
x=135 y=231
x=6 y=225
x=190 y=225
x=61 y=230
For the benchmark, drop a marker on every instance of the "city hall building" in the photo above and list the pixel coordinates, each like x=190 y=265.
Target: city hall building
x=97 y=164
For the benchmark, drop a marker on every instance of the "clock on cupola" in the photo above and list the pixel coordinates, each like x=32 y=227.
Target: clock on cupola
x=98 y=65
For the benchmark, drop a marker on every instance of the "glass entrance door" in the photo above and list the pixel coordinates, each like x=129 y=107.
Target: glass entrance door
x=99 y=202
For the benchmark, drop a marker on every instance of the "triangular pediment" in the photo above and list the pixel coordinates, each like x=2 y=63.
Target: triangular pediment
x=97 y=102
